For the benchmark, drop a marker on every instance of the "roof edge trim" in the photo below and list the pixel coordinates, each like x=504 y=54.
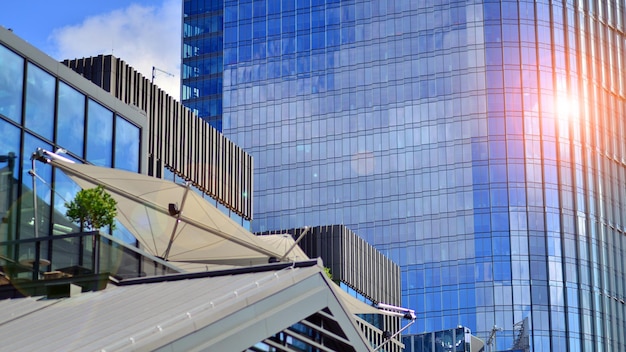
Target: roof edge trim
x=216 y=273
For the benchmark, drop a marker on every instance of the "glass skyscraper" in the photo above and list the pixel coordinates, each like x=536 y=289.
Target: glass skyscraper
x=202 y=59
x=479 y=144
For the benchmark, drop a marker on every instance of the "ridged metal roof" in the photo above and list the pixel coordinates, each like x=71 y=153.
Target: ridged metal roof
x=191 y=311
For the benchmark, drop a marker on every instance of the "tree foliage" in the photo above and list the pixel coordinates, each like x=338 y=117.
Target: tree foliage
x=328 y=273
x=92 y=209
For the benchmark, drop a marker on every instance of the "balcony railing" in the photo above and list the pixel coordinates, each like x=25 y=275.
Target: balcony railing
x=26 y=265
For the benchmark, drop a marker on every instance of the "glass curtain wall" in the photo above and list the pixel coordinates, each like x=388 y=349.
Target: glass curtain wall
x=480 y=145
x=202 y=64
x=39 y=110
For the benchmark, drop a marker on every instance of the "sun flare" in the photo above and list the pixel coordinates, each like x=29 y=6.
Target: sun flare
x=567 y=107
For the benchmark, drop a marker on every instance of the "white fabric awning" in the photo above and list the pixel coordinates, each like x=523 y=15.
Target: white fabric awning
x=354 y=305
x=201 y=233
x=285 y=243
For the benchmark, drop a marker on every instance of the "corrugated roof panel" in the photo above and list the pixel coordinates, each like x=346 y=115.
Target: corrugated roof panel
x=94 y=320
x=13 y=308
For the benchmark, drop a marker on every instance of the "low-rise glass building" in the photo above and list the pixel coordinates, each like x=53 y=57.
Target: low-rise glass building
x=44 y=105
x=459 y=339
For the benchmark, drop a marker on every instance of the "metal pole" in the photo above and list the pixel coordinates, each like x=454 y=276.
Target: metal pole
x=35 y=220
x=306 y=229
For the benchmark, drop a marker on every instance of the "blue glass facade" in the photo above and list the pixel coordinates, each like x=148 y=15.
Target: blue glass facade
x=202 y=59
x=479 y=144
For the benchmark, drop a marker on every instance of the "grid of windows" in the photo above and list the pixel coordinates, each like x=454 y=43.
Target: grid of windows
x=480 y=145
x=41 y=110
x=202 y=66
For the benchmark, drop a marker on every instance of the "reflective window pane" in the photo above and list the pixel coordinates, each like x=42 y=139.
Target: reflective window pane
x=9 y=166
x=123 y=234
x=71 y=119
x=9 y=149
x=11 y=78
x=39 y=111
x=64 y=191
x=127 y=138
x=99 y=134
x=42 y=182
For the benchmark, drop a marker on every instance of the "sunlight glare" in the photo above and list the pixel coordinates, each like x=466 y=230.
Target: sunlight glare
x=567 y=107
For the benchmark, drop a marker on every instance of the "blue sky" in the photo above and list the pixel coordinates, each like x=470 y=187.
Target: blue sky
x=144 y=33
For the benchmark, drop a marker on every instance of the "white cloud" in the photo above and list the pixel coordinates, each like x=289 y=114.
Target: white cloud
x=143 y=36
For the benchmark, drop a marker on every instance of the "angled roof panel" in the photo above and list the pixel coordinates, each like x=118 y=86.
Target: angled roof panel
x=12 y=308
x=229 y=312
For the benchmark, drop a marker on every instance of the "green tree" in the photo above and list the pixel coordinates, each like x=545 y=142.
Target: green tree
x=92 y=209
x=328 y=273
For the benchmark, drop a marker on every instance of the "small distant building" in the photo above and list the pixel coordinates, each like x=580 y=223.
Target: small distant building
x=459 y=339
